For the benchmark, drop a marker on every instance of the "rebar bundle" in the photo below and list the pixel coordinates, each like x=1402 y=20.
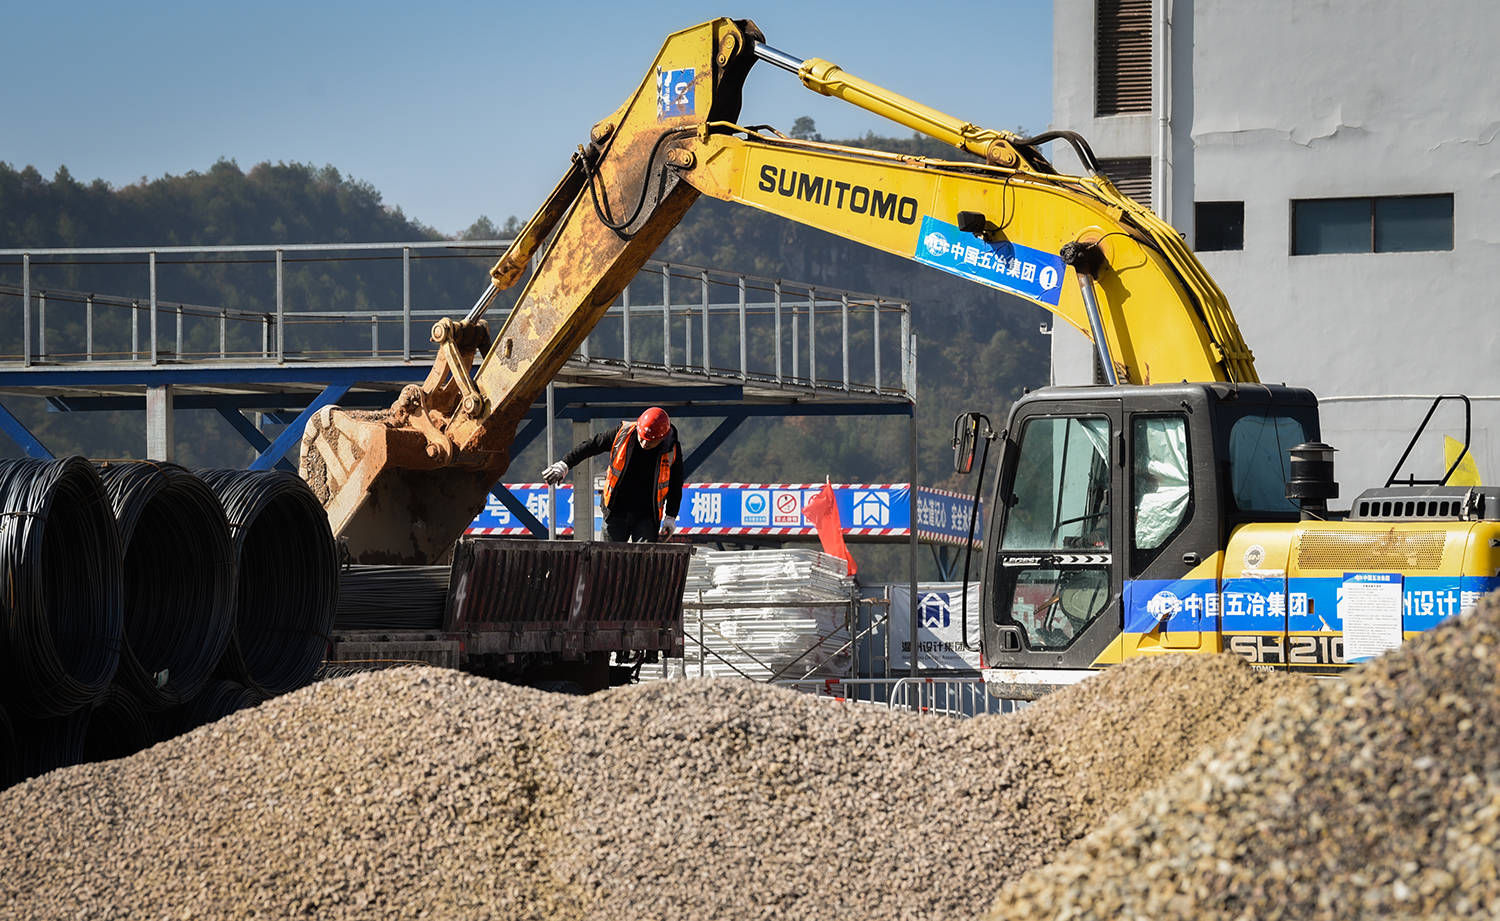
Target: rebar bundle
x=286 y=575
x=63 y=595
x=179 y=580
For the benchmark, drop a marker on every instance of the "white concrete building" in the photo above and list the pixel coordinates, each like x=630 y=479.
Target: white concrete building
x=1334 y=163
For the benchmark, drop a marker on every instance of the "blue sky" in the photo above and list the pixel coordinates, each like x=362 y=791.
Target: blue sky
x=457 y=109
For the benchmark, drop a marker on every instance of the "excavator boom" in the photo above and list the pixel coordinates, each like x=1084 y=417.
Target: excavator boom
x=402 y=484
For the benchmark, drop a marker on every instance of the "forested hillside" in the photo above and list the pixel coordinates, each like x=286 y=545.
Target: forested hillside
x=977 y=348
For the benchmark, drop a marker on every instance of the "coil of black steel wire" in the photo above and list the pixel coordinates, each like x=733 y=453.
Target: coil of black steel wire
x=286 y=577
x=220 y=698
x=216 y=700
x=10 y=764
x=65 y=597
x=48 y=744
x=118 y=726
x=392 y=597
x=179 y=580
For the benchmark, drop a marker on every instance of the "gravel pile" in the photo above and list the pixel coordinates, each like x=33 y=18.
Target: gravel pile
x=1375 y=797
x=419 y=793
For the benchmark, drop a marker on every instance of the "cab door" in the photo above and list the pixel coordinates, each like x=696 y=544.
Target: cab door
x=1053 y=596
x=1171 y=569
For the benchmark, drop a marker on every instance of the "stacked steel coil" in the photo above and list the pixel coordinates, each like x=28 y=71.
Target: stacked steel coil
x=10 y=767
x=392 y=597
x=118 y=726
x=179 y=580
x=287 y=578
x=63 y=596
x=217 y=700
x=44 y=745
x=161 y=581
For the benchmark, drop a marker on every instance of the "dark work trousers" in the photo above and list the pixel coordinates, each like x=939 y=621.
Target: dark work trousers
x=627 y=527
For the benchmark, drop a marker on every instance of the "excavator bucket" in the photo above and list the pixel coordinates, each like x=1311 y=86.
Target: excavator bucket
x=386 y=496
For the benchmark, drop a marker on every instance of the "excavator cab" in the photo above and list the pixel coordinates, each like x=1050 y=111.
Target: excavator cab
x=1113 y=505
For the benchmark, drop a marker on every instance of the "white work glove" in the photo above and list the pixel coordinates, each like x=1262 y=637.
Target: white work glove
x=668 y=525
x=556 y=474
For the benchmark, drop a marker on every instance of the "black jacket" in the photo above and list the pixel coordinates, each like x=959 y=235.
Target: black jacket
x=633 y=494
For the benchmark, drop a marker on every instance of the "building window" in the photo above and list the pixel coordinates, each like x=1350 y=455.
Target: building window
x=1387 y=224
x=1132 y=176
x=1122 y=41
x=1218 y=226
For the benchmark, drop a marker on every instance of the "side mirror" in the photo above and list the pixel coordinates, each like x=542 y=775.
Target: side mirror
x=965 y=438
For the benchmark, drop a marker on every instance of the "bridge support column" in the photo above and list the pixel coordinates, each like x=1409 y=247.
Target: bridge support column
x=583 y=486
x=160 y=443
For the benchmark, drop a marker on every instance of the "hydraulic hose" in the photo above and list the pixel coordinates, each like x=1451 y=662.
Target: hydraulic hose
x=286 y=578
x=63 y=591
x=179 y=580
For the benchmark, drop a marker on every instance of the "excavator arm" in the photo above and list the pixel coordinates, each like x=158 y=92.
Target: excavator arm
x=400 y=485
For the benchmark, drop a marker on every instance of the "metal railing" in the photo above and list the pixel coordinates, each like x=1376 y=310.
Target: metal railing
x=935 y=695
x=711 y=651
x=679 y=318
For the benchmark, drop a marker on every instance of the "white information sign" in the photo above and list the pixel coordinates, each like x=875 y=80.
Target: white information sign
x=1370 y=608
x=940 y=632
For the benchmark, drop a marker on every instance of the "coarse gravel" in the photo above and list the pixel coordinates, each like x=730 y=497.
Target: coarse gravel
x=423 y=793
x=1373 y=797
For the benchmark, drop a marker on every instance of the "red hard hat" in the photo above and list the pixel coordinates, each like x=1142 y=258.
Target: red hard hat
x=653 y=423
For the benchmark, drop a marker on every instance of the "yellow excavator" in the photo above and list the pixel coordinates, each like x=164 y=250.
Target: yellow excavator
x=1148 y=514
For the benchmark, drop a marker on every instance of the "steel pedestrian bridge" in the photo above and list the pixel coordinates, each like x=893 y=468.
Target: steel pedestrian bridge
x=703 y=342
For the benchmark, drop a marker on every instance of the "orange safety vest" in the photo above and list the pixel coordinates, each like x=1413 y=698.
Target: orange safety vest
x=618 y=453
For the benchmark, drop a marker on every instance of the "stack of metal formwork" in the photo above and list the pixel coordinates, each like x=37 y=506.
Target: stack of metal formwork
x=767 y=615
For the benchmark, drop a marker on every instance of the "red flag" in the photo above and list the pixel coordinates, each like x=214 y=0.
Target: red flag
x=823 y=511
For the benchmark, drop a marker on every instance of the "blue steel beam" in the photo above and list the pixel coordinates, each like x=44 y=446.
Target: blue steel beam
x=527 y=433
x=264 y=402
x=946 y=560
x=584 y=413
x=22 y=436
x=293 y=432
x=519 y=509
x=710 y=444
x=250 y=433
x=158 y=377
x=649 y=396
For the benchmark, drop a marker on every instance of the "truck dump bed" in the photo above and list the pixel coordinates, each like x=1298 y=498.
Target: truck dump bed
x=511 y=596
x=522 y=610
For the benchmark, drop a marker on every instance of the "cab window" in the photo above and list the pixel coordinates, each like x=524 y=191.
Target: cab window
x=1259 y=463
x=1062 y=486
x=1161 y=482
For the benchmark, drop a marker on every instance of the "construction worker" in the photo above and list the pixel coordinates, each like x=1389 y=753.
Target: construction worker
x=644 y=479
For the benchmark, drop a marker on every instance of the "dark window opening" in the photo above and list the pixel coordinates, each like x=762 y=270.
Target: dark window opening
x=1386 y=224
x=1122 y=35
x=1218 y=226
x=1132 y=176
